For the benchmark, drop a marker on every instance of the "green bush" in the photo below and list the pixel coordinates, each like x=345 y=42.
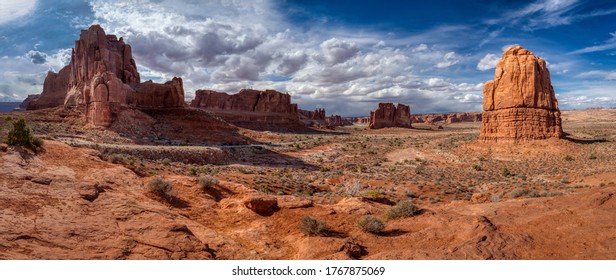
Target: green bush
x=160 y=187
x=207 y=181
x=373 y=193
x=20 y=135
x=313 y=227
x=371 y=224
x=403 y=209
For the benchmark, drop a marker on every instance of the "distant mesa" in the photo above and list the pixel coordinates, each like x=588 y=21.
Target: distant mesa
x=102 y=80
x=388 y=115
x=447 y=118
x=249 y=106
x=520 y=104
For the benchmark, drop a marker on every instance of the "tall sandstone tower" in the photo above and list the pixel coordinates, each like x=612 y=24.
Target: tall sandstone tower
x=519 y=104
x=102 y=80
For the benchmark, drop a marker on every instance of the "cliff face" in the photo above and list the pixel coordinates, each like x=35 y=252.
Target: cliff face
x=102 y=79
x=248 y=105
x=388 y=115
x=520 y=104
x=54 y=90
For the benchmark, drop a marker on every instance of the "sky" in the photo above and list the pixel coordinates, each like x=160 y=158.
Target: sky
x=344 y=56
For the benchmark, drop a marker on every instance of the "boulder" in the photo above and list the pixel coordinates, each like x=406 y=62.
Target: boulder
x=262 y=205
x=388 y=115
x=520 y=103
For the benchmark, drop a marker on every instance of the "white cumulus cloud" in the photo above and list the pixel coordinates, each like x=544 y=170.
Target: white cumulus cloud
x=488 y=62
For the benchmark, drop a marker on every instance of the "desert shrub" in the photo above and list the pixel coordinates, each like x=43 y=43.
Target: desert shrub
x=477 y=167
x=313 y=227
x=592 y=157
x=37 y=142
x=160 y=187
x=505 y=172
x=207 y=181
x=565 y=180
x=518 y=192
x=352 y=188
x=496 y=197
x=20 y=135
x=371 y=224
x=403 y=209
x=116 y=158
x=410 y=194
x=568 y=158
x=373 y=193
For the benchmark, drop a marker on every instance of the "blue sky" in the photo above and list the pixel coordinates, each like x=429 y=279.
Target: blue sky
x=345 y=56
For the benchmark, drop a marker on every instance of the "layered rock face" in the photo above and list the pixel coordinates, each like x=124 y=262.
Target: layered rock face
x=248 y=105
x=54 y=90
x=388 y=115
x=102 y=79
x=520 y=104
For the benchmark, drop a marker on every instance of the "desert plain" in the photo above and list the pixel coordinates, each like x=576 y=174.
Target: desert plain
x=86 y=195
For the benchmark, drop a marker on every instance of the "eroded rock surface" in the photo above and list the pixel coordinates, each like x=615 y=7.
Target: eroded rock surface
x=248 y=105
x=102 y=80
x=388 y=115
x=520 y=104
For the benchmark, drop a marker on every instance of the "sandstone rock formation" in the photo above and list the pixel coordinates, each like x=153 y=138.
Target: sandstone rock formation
x=520 y=104
x=248 y=105
x=102 y=80
x=316 y=115
x=388 y=115
x=447 y=117
x=262 y=205
x=334 y=121
x=363 y=120
x=54 y=90
x=30 y=102
x=314 y=118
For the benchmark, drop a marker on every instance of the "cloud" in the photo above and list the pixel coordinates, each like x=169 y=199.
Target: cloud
x=37 y=57
x=347 y=71
x=449 y=59
x=15 y=9
x=607 y=75
x=607 y=45
x=488 y=62
x=543 y=14
x=336 y=51
x=20 y=77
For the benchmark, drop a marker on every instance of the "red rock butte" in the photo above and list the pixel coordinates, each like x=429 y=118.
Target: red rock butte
x=388 y=115
x=102 y=80
x=520 y=104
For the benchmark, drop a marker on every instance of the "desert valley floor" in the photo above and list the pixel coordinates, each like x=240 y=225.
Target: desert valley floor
x=86 y=197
